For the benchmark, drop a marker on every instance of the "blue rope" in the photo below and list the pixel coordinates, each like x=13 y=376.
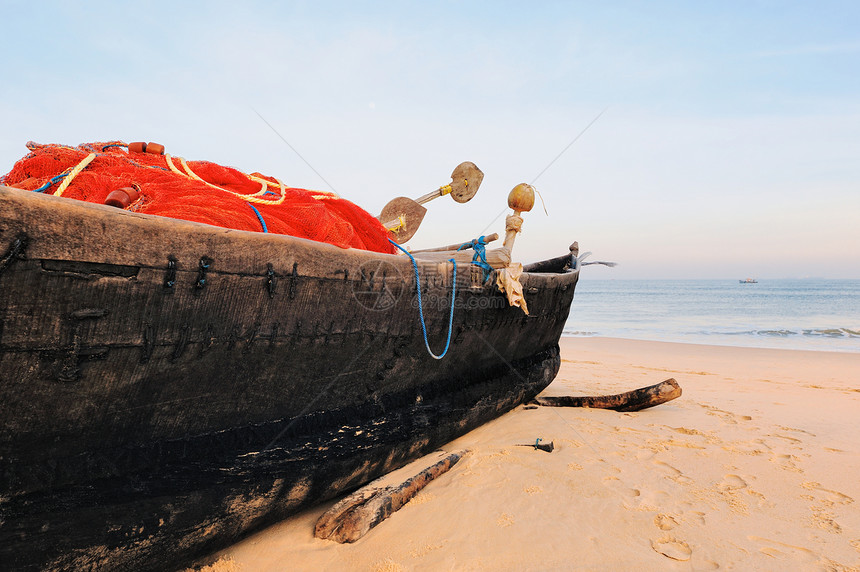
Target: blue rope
x=480 y=256
x=420 y=303
x=62 y=176
x=53 y=181
x=259 y=216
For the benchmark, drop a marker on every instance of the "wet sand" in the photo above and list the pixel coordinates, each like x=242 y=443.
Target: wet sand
x=755 y=467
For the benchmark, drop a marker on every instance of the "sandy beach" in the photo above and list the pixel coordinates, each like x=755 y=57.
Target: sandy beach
x=755 y=467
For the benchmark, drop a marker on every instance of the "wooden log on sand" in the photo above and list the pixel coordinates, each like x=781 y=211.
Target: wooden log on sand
x=635 y=400
x=354 y=516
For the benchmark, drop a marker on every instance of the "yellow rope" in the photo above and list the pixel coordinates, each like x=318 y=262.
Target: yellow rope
x=401 y=223
x=250 y=198
x=74 y=173
x=320 y=195
x=446 y=190
x=172 y=166
x=254 y=198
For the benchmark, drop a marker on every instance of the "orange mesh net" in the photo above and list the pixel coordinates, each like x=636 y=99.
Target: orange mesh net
x=175 y=193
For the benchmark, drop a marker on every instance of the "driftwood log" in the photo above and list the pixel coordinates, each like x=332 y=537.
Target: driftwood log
x=352 y=517
x=635 y=400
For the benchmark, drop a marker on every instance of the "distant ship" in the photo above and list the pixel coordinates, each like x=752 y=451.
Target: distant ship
x=748 y=281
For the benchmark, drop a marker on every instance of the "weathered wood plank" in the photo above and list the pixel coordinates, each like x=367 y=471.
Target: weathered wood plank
x=355 y=515
x=635 y=400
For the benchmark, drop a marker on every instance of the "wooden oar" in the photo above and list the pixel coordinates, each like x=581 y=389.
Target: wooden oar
x=402 y=216
x=464 y=245
x=465 y=181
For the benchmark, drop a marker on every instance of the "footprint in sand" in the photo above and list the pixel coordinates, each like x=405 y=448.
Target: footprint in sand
x=754 y=448
x=672 y=473
x=672 y=548
x=786 y=462
x=505 y=520
x=832 y=497
x=731 y=483
x=796 y=430
x=665 y=522
x=668 y=469
x=387 y=565
x=791 y=440
x=728 y=417
x=825 y=521
x=784 y=551
x=729 y=488
x=685 y=431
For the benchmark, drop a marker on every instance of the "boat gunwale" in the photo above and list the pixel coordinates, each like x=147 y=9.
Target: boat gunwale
x=203 y=232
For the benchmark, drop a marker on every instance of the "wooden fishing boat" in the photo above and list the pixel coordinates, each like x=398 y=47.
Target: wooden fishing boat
x=168 y=386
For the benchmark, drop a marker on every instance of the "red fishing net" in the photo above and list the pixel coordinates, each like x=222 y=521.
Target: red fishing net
x=197 y=191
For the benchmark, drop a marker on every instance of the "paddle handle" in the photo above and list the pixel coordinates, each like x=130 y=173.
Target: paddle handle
x=440 y=192
x=487 y=239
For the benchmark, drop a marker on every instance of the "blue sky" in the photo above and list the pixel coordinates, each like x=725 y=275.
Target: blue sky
x=728 y=148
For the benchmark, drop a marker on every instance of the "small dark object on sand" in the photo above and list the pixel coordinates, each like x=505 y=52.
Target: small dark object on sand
x=548 y=447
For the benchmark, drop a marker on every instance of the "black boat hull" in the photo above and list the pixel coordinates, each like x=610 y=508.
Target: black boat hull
x=169 y=386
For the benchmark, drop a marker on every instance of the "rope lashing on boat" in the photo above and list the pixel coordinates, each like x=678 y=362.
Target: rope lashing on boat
x=514 y=223
x=421 y=304
x=479 y=245
x=401 y=223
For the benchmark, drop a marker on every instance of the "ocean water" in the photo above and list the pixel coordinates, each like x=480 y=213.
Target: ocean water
x=808 y=314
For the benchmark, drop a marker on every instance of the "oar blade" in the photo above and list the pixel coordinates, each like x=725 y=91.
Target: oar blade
x=466 y=179
x=402 y=217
